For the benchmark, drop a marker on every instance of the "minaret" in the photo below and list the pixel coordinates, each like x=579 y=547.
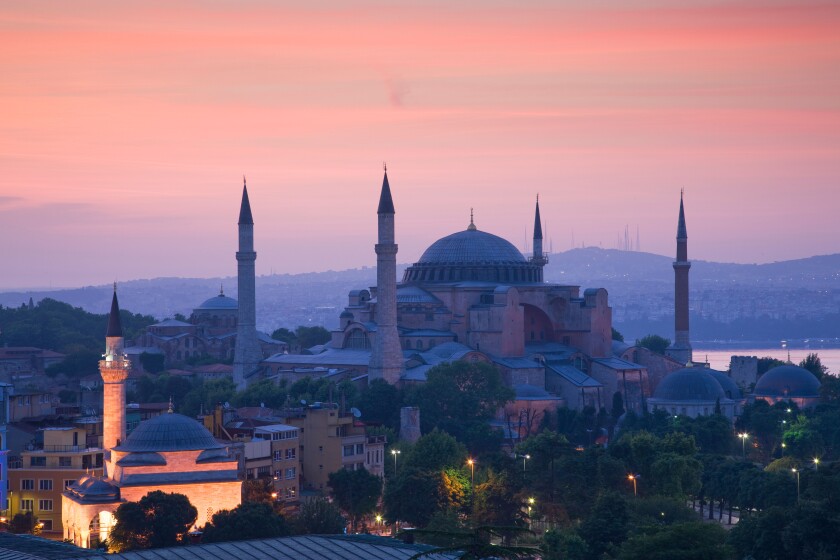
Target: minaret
x=538 y=258
x=680 y=350
x=386 y=358
x=247 y=353
x=114 y=369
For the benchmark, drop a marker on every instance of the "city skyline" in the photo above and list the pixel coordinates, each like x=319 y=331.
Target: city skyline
x=126 y=130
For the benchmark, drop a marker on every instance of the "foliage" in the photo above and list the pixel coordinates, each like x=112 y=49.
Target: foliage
x=654 y=343
x=24 y=523
x=564 y=545
x=380 y=403
x=257 y=491
x=303 y=337
x=157 y=520
x=606 y=527
x=319 y=517
x=617 y=409
x=264 y=392
x=248 y=520
x=207 y=394
x=58 y=326
x=76 y=364
x=356 y=493
x=459 y=398
x=152 y=363
x=497 y=501
x=682 y=541
x=435 y=451
x=813 y=364
x=159 y=388
x=617 y=335
x=767 y=363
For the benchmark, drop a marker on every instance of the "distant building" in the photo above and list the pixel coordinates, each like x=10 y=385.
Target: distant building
x=26 y=361
x=788 y=383
x=697 y=391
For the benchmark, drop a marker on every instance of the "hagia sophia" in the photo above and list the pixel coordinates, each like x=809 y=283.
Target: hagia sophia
x=471 y=296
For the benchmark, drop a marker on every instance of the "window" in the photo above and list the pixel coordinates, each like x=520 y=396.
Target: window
x=65 y=462
x=45 y=505
x=291 y=472
x=278 y=455
x=27 y=484
x=45 y=399
x=249 y=473
x=37 y=461
x=348 y=451
x=263 y=471
x=45 y=484
x=291 y=493
x=27 y=505
x=46 y=524
x=360 y=449
x=291 y=453
x=68 y=483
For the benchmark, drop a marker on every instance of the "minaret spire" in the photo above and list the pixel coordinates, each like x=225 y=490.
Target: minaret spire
x=114 y=368
x=471 y=227
x=538 y=257
x=386 y=356
x=247 y=352
x=680 y=349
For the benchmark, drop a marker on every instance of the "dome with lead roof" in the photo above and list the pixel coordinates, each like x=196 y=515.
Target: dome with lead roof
x=689 y=384
x=787 y=381
x=169 y=432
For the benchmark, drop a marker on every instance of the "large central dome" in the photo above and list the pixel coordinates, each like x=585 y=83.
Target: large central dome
x=471 y=247
x=473 y=255
x=169 y=432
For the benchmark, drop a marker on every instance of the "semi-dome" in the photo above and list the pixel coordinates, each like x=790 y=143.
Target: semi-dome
x=473 y=255
x=169 y=432
x=94 y=489
x=730 y=388
x=219 y=302
x=689 y=384
x=787 y=381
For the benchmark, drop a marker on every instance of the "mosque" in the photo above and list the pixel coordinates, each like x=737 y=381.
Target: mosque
x=473 y=296
x=170 y=452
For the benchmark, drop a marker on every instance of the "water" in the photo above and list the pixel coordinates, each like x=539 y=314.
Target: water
x=719 y=359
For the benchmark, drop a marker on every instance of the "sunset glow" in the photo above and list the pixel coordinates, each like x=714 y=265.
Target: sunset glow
x=125 y=129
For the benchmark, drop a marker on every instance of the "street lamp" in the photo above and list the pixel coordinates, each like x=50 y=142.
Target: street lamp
x=797 y=484
x=395 y=452
x=531 y=502
x=524 y=458
x=633 y=477
x=471 y=463
x=816 y=463
x=744 y=437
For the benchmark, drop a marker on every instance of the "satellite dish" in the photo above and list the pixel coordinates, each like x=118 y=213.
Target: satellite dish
x=356 y=412
x=227 y=405
x=303 y=402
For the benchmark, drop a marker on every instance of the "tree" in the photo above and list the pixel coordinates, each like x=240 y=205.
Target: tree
x=307 y=337
x=606 y=527
x=564 y=545
x=617 y=335
x=654 y=343
x=380 y=403
x=264 y=392
x=319 y=517
x=152 y=363
x=284 y=335
x=356 y=493
x=248 y=520
x=458 y=396
x=496 y=502
x=24 y=523
x=76 y=364
x=813 y=364
x=684 y=541
x=156 y=521
x=257 y=491
x=617 y=406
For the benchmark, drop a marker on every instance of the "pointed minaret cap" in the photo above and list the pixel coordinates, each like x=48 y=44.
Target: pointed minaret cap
x=245 y=217
x=471 y=227
x=114 y=323
x=386 y=203
x=537 y=221
x=681 y=231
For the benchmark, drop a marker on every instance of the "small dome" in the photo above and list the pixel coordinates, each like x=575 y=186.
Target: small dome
x=94 y=489
x=730 y=388
x=218 y=302
x=345 y=315
x=788 y=381
x=689 y=384
x=471 y=247
x=169 y=432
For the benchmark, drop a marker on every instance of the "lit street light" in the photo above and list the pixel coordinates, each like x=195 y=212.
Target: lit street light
x=395 y=452
x=816 y=463
x=471 y=463
x=633 y=477
x=524 y=458
x=744 y=437
x=797 y=484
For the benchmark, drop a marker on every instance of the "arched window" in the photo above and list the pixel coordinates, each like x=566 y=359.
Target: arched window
x=419 y=344
x=357 y=340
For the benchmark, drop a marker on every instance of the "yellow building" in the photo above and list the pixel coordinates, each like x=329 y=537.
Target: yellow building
x=37 y=480
x=330 y=440
x=273 y=453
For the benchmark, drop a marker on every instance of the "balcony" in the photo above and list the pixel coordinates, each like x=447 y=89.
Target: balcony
x=374 y=440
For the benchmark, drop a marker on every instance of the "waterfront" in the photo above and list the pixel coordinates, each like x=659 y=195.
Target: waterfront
x=719 y=359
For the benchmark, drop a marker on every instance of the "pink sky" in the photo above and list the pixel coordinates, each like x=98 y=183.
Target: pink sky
x=125 y=129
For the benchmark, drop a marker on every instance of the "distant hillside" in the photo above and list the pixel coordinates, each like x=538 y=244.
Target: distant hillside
x=640 y=287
